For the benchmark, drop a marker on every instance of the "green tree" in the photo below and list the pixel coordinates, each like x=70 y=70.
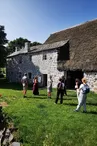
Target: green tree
x=35 y=44
x=19 y=43
x=3 y=49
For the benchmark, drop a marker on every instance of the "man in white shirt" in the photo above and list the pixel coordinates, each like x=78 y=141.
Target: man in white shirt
x=24 y=81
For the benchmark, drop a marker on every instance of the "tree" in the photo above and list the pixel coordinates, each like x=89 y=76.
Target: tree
x=35 y=44
x=3 y=49
x=19 y=43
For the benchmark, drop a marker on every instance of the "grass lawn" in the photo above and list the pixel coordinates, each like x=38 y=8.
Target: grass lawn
x=40 y=122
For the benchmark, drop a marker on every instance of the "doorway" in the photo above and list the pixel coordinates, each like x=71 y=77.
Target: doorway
x=71 y=76
x=44 y=80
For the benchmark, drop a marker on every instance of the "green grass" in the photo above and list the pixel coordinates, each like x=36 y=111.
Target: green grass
x=40 y=122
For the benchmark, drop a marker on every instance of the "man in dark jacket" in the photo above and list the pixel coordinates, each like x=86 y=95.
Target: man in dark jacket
x=60 y=91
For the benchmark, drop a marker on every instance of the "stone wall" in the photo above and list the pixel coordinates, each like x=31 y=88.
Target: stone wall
x=48 y=66
x=34 y=64
x=17 y=66
x=37 y=66
x=92 y=80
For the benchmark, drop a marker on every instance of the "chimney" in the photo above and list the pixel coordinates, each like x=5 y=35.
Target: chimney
x=16 y=49
x=27 y=46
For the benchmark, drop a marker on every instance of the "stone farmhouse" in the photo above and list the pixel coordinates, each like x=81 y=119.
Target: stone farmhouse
x=71 y=52
x=38 y=61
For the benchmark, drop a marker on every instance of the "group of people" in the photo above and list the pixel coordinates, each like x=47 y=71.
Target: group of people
x=61 y=89
x=24 y=81
x=81 y=89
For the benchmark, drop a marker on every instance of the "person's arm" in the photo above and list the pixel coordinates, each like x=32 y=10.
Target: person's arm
x=80 y=87
x=76 y=85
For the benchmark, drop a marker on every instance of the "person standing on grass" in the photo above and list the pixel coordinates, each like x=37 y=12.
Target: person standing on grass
x=24 y=81
x=83 y=90
x=49 y=87
x=77 y=85
x=64 y=81
x=60 y=91
x=35 y=86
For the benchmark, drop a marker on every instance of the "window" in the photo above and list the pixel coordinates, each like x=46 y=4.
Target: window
x=44 y=57
x=39 y=79
x=29 y=75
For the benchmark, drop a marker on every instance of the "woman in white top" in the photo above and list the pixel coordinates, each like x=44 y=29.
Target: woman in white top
x=24 y=81
x=82 y=95
x=77 y=85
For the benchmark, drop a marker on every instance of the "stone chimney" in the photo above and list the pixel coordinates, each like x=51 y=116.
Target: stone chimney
x=27 y=46
x=16 y=49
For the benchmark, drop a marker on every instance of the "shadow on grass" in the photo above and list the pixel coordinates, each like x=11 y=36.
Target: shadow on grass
x=70 y=95
x=43 y=95
x=92 y=112
x=71 y=104
x=69 y=98
x=92 y=104
x=4 y=84
x=37 y=97
x=74 y=104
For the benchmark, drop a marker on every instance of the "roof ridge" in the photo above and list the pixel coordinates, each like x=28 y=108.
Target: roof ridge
x=44 y=44
x=76 y=25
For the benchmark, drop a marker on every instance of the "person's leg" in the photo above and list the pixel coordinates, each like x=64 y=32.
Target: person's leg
x=84 y=104
x=78 y=97
x=49 y=94
x=80 y=102
x=24 y=90
x=37 y=90
x=58 y=93
x=78 y=106
x=61 y=98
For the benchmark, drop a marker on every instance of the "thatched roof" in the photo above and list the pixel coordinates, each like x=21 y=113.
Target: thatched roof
x=83 y=46
x=50 y=46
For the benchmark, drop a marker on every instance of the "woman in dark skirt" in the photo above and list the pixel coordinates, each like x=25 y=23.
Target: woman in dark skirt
x=35 y=86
